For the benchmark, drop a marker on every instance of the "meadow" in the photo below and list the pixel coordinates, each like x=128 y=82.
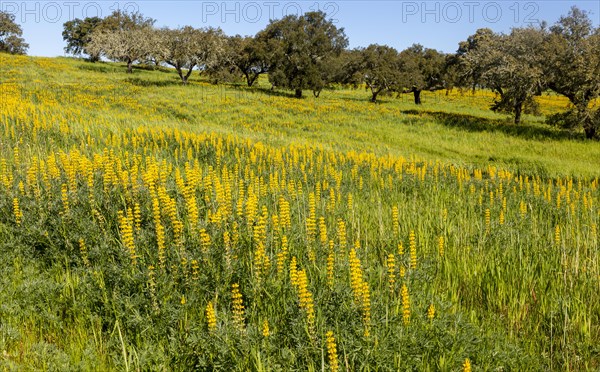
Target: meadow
x=146 y=225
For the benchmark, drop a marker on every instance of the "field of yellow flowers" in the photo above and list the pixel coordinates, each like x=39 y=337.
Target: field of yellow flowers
x=150 y=226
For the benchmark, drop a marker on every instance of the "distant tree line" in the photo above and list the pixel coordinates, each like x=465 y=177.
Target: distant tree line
x=310 y=53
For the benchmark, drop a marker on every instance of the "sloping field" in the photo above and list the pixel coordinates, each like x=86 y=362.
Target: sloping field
x=150 y=226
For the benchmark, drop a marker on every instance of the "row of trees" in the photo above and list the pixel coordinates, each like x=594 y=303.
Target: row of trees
x=300 y=53
x=518 y=66
x=309 y=52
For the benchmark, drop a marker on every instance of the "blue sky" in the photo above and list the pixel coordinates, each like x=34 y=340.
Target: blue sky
x=434 y=24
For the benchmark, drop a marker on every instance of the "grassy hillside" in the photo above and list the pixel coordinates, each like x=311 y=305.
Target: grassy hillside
x=456 y=128
x=146 y=225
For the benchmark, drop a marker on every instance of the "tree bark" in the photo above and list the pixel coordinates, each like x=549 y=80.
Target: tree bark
x=181 y=76
x=374 y=96
x=251 y=79
x=129 y=66
x=518 y=110
x=590 y=132
x=298 y=93
x=189 y=73
x=417 y=94
x=186 y=76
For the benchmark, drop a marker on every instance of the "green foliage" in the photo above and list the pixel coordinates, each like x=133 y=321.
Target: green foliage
x=304 y=46
x=126 y=37
x=510 y=65
x=187 y=48
x=77 y=33
x=573 y=66
x=379 y=69
x=10 y=35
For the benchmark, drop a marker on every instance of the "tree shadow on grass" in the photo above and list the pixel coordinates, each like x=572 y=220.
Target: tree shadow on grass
x=100 y=67
x=478 y=124
x=277 y=93
x=141 y=82
x=154 y=68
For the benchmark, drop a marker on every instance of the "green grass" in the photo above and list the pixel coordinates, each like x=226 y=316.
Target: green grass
x=84 y=144
x=459 y=128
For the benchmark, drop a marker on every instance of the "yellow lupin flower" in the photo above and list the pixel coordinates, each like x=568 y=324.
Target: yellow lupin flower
x=17 y=212
x=205 y=241
x=395 y=221
x=65 y=197
x=341 y=235
x=331 y=202
x=137 y=217
x=405 y=305
x=355 y=276
x=323 y=231
x=330 y=266
x=366 y=308
x=360 y=290
x=126 y=229
x=211 y=317
x=466 y=367
x=306 y=300
x=523 y=209
x=431 y=312
x=237 y=307
x=391 y=268
x=266 y=332
x=350 y=203
x=413 y=250
x=195 y=270
x=84 y=253
x=332 y=352
x=192 y=207
x=294 y=272
x=311 y=224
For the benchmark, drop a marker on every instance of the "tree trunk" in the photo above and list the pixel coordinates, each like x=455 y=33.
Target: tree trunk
x=518 y=110
x=316 y=93
x=590 y=132
x=374 y=96
x=181 y=76
x=417 y=94
x=189 y=73
x=251 y=79
x=129 y=66
x=298 y=93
